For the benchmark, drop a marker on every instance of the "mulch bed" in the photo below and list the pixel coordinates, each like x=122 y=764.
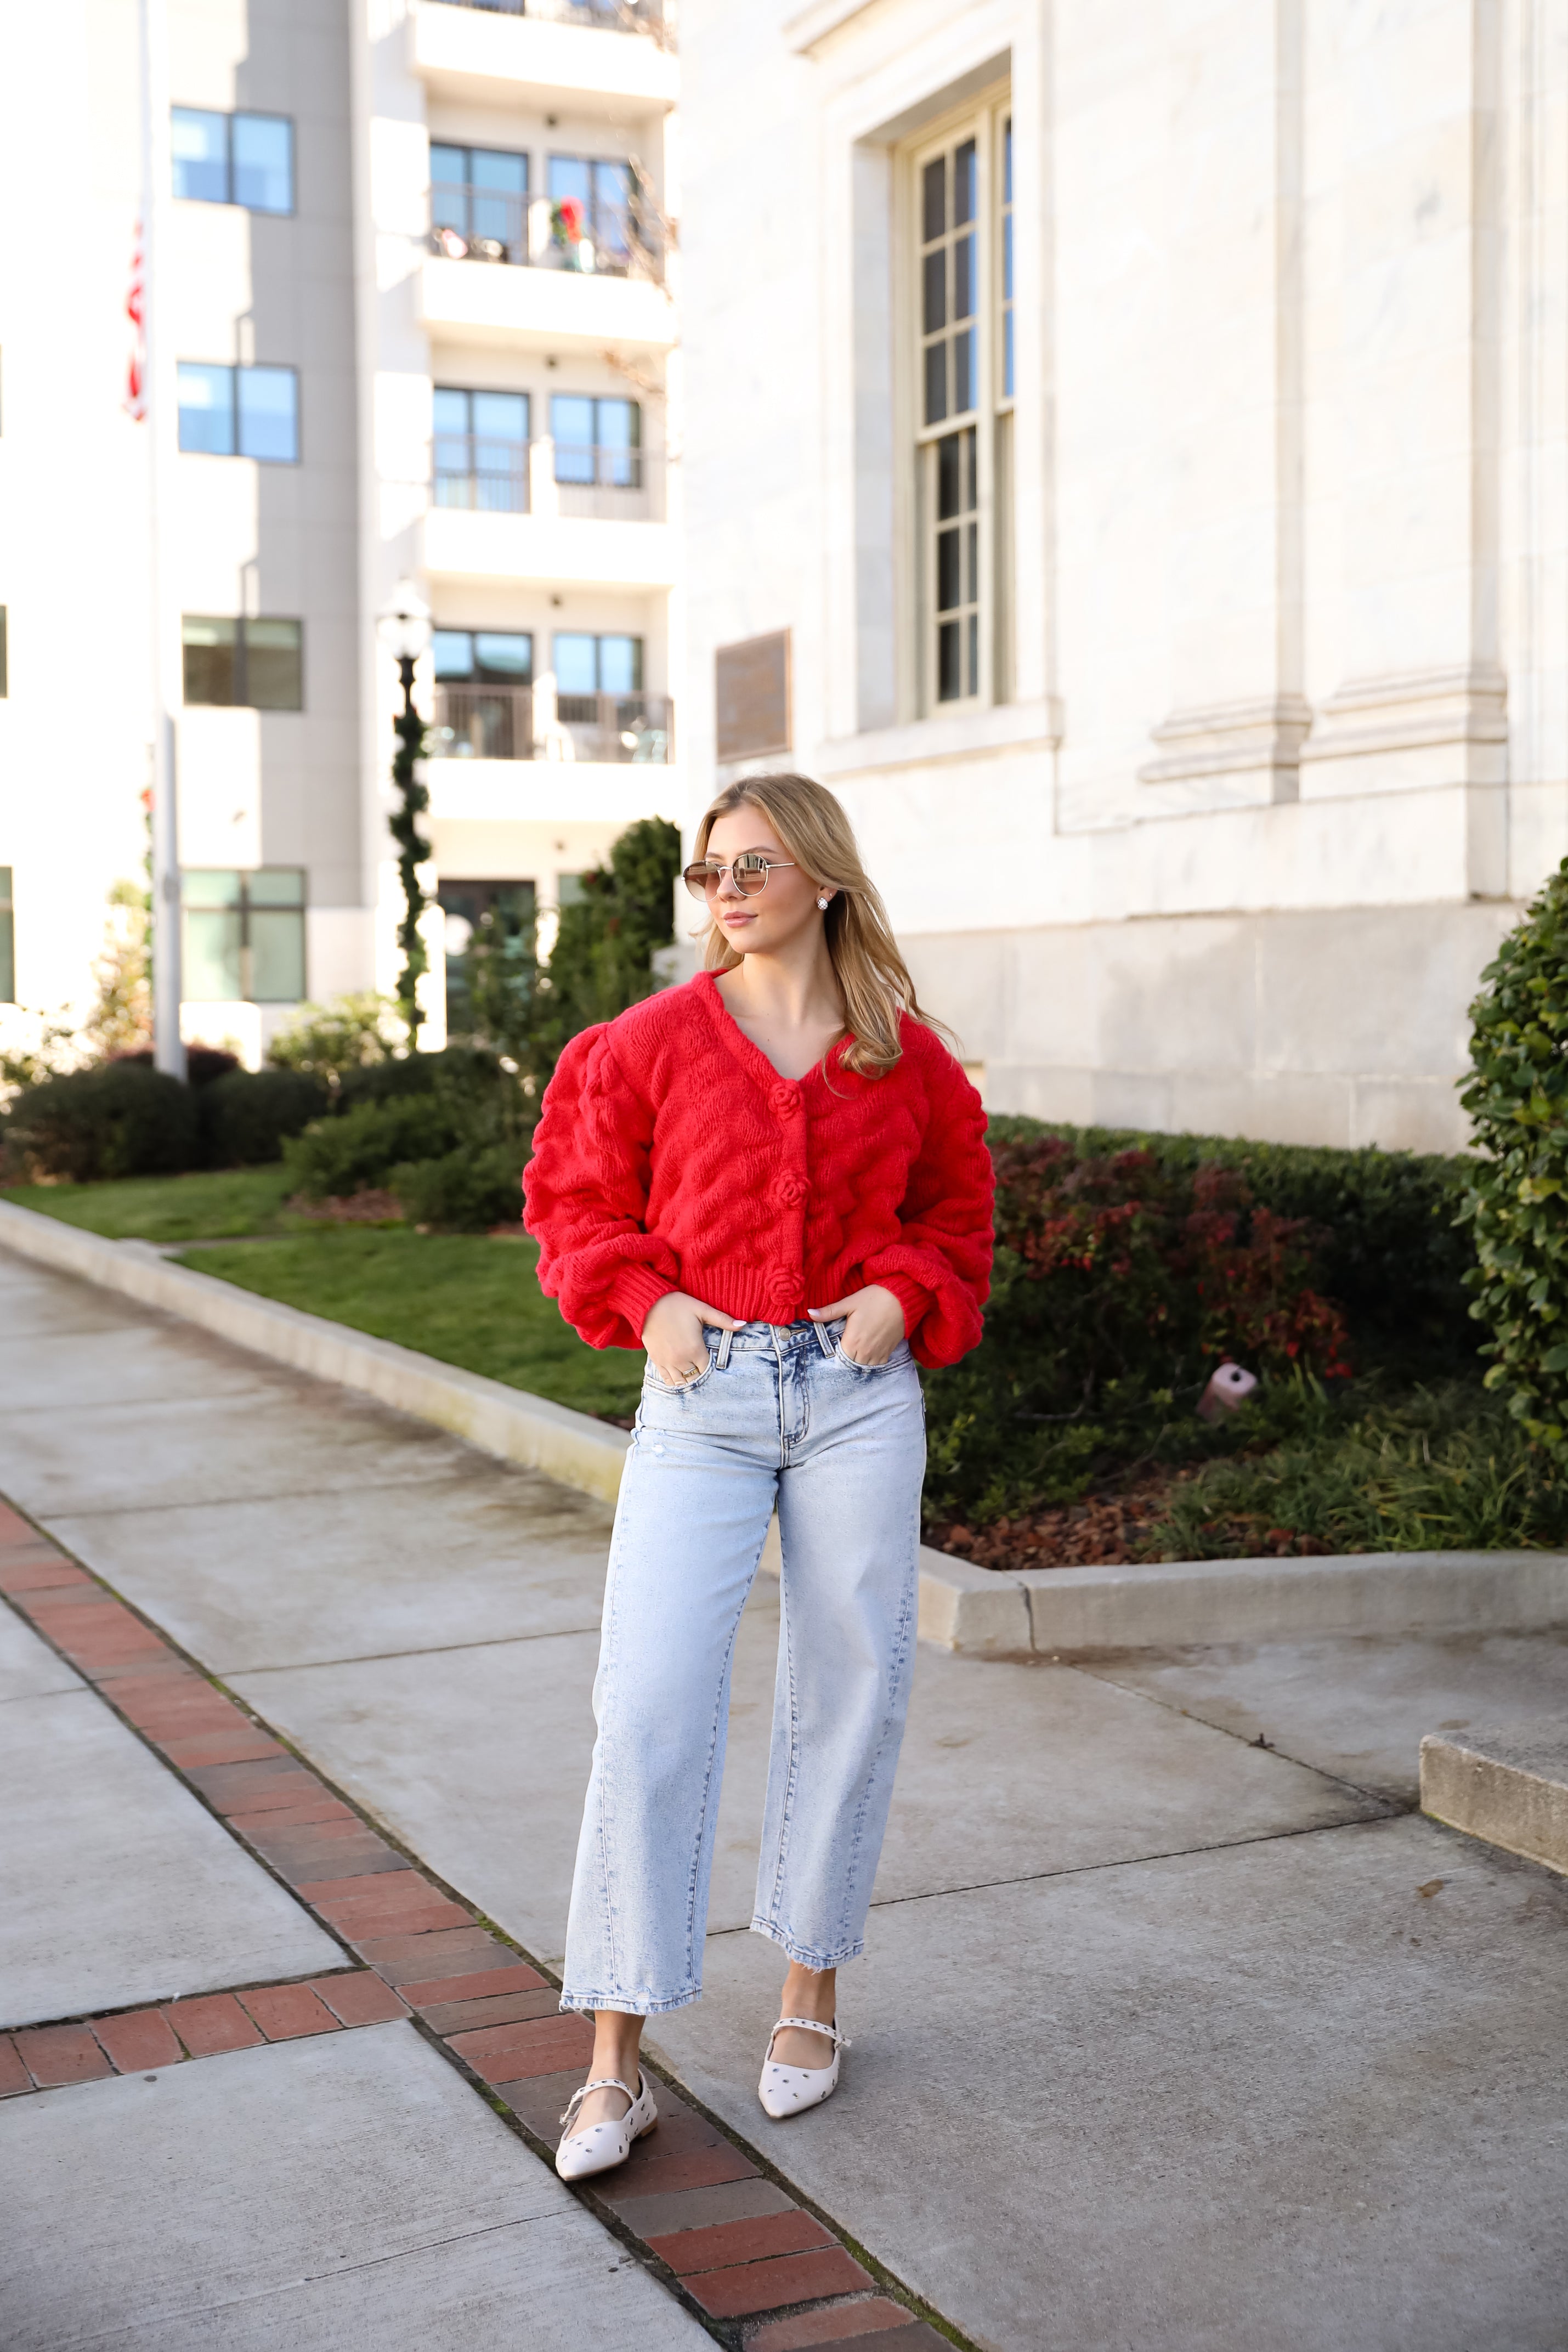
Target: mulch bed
x=1111 y=1530
x=349 y=1209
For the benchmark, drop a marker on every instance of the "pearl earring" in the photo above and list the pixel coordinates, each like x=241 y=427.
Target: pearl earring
x=823 y=904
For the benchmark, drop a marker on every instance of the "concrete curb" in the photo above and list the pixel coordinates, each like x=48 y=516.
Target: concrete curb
x=1048 y=1612
x=1507 y=1787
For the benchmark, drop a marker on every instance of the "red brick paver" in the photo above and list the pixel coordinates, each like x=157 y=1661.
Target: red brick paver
x=13 y=2076
x=38 y=1575
x=138 y=2042
x=726 y=2243
x=543 y=2045
x=836 y=2323
x=521 y=1978
x=61 y=2054
x=210 y=2024
x=763 y=2286
x=360 y=1998
x=287 y=2013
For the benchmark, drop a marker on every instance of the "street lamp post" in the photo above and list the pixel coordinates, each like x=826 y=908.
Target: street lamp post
x=405 y=632
x=157 y=410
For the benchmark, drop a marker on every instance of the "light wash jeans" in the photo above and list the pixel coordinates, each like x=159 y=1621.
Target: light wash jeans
x=781 y=1418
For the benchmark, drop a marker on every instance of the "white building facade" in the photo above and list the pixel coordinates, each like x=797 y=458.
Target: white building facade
x=1126 y=460
x=418 y=274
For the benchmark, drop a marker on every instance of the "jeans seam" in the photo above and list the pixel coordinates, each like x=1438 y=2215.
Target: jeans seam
x=786 y=1805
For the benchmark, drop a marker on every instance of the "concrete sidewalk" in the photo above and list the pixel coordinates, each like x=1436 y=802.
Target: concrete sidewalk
x=1177 y=2027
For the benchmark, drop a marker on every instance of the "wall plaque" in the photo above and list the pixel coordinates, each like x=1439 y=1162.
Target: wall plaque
x=751 y=691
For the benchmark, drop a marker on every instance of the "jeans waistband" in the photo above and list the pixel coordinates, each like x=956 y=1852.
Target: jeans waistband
x=783 y=1339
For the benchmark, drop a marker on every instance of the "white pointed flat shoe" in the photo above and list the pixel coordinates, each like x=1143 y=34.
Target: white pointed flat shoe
x=787 y=2090
x=604 y=2145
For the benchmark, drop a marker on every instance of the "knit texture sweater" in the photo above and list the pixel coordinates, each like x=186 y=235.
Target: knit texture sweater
x=671 y=1155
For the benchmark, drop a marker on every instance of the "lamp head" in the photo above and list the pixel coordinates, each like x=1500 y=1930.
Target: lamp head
x=404 y=627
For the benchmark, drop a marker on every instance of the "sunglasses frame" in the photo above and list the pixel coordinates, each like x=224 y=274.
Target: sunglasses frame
x=713 y=876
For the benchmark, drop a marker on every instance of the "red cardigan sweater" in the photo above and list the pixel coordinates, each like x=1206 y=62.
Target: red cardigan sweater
x=669 y=1155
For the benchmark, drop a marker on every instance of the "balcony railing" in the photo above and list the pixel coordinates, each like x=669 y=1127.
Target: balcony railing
x=605 y=483
x=482 y=722
x=521 y=722
x=610 y=16
x=471 y=223
x=484 y=476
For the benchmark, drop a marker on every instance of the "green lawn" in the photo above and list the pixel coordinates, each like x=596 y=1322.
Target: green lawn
x=460 y=1296
x=206 y=1207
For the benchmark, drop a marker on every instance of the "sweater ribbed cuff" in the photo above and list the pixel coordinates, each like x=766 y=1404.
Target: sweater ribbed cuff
x=636 y=1290
x=913 y=1297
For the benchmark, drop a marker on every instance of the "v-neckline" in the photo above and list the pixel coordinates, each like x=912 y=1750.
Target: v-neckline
x=748 y=1052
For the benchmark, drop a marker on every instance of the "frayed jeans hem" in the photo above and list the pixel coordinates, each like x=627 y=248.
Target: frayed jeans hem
x=801 y=1955
x=628 y=2004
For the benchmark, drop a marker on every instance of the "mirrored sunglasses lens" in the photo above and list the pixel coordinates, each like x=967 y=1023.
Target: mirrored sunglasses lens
x=751 y=874
x=697 y=878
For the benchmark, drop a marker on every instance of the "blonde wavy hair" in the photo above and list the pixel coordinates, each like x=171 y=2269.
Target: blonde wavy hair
x=873 y=979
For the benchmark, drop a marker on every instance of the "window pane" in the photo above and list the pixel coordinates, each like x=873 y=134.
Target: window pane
x=489 y=168
x=971 y=441
x=1008 y=257
x=454 y=651
x=964 y=394
x=972 y=581
x=974 y=633
x=275 y=886
x=619 y=664
x=272 y=665
x=200 y=141
x=503 y=658
x=576 y=664
x=209 y=650
x=949 y=686
x=450 y=410
x=949 y=589
x=277 y=957
x=936 y=382
x=1007 y=161
x=964 y=183
x=268 y=414
x=620 y=424
x=211 y=887
x=264 y=162
x=1007 y=355
x=934 y=303
x=212 y=972
x=934 y=198
x=501 y=415
x=448 y=172
x=207 y=409
x=572 y=427
x=948 y=477
x=964 y=277
x=570 y=176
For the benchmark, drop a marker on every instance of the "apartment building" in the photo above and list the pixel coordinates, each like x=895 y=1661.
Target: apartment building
x=1128 y=460
x=419 y=274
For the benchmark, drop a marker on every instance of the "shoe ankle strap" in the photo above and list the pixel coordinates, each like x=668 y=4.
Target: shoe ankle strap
x=811 y=2025
x=599 y=2083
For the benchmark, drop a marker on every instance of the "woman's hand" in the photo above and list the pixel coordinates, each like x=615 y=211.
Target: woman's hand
x=874 y=1323
x=673 y=1335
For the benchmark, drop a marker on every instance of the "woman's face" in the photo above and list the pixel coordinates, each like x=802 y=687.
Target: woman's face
x=780 y=911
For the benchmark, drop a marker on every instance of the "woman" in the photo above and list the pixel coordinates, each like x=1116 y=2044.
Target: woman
x=774 y=1180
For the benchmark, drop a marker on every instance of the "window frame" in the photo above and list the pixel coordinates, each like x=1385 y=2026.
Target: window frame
x=7 y=935
x=228 y=116
x=984 y=119
x=246 y=905
x=241 y=622
x=601 y=638
x=234 y=369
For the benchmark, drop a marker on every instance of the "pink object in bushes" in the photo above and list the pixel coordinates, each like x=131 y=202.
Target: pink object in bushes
x=1229 y=1386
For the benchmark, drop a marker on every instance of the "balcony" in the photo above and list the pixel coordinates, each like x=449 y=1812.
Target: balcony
x=601 y=240
x=543 y=308
x=516 y=722
x=501 y=512
x=487 y=55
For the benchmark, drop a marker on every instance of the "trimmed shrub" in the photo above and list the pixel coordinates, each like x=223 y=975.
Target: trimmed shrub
x=329 y=1040
x=246 y=1116
x=358 y=1151
x=1515 y=1204
x=464 y=1192
x=120 y=1119
x=204 y=1064
x=468 y=1070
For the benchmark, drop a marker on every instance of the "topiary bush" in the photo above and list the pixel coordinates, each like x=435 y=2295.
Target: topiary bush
x=1515 y=1205
x=246 y=1116
x=357 y=1151
x=120 y=1119
x=465 y=1191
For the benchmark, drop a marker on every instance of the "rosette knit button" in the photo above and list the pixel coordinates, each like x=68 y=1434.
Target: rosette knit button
x=790 y=1190
x=786 y=1101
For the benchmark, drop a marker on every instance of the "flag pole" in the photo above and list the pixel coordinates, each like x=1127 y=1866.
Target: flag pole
x=159 y=414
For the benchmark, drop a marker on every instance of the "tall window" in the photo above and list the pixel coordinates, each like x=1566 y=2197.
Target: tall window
x=233 y=158
x=255 y=664
x=479 y=203
x=962 y=198
x=245 y=935
x=481 y=450
x=603 y=194
x=503 y=914
x=484 y=702
x=7 y=939
x=596 y=440
x=589 y=664
x=240 y=411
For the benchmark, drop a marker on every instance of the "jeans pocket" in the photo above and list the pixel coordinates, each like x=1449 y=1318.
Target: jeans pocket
x=899 y=1355
x=653 y=1380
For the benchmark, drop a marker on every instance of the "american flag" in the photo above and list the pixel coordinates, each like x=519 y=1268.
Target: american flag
x=136 y=368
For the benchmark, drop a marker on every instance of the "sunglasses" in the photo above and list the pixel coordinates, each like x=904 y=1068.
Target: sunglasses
x=750 y=870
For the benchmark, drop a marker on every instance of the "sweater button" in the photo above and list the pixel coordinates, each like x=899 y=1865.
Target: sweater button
x=785 y=1101
x=790 y=1192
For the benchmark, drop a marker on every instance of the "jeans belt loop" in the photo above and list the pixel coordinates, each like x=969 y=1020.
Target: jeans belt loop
x=725 y=1339
x=823 y=1341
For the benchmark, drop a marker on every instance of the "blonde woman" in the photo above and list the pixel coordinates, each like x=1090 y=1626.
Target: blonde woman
x=774 y=1181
